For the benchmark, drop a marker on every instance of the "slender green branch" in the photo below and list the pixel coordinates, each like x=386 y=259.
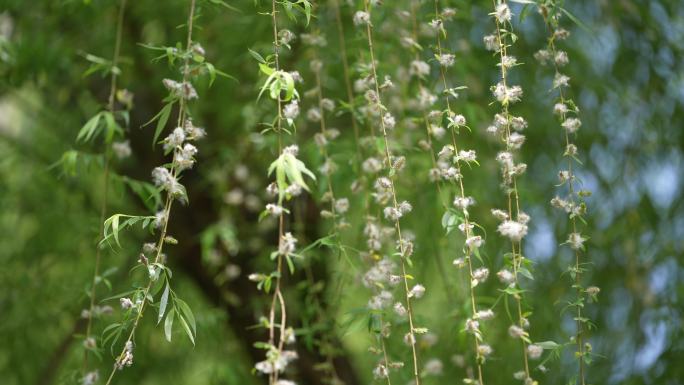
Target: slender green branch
x=480 y=351
x=277 y=295
x=166 y=212
x=105 y=194
x=404 y=249
x=570 y=125
x=433 y=158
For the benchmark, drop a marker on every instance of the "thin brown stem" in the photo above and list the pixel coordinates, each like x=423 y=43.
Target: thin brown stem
x=466 y=220
x=513 y=196
x=277 y=295
x=167 y=205
x=388 y=160
x=357 y=138
x=571 y=193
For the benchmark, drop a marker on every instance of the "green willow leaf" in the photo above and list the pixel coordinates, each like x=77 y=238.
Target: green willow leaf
x=89 y=130
x=187 y=329
x=168 y=324
x=187 y=313
x=163 y=118
x=163 y=301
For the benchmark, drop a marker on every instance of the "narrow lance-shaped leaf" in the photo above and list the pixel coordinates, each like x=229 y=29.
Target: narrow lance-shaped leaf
x=88 y=130
x=111 y=127
x=115 y=228
x=162 y=117
x=187 y=329
x=162 y=303
x=168 y=324
x=187 y=313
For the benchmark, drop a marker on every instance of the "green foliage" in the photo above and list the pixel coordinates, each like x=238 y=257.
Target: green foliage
x=99 y=64
x=288 y=171
x=624 y=75
x=147 y=193
x=102 y=124
x=161 y=118
x=114 y=224
x=280 y=84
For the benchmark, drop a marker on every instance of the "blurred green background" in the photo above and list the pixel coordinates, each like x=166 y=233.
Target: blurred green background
x=627 y=78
